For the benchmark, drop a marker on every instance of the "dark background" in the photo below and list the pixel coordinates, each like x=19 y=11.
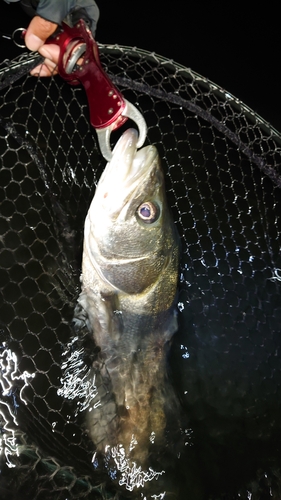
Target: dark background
x=237 y=49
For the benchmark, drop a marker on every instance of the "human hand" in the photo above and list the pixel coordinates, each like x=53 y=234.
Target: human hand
x=37 y=33
x=49 y=14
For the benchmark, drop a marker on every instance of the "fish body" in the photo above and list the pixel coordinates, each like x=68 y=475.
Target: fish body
x=129 y=283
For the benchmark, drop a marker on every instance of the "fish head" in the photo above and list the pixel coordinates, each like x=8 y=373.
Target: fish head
x=130 y=237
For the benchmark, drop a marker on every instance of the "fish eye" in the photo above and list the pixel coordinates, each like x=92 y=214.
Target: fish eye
x=148 y=212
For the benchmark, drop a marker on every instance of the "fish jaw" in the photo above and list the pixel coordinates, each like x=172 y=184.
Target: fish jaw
x=121 y=176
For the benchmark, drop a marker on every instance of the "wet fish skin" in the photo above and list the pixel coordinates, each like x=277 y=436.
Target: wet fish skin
x=129 y=283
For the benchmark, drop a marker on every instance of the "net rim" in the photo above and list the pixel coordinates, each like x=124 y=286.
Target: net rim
x=197 y=77
x=27 y=60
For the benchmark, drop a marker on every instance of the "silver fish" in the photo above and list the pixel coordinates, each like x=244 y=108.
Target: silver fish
x=129 y=283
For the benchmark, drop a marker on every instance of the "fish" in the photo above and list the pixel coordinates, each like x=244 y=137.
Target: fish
x=128 y=290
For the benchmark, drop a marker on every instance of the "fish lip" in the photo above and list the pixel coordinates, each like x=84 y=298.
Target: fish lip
x=142 y=163
x=128 y=163
x=124 y=173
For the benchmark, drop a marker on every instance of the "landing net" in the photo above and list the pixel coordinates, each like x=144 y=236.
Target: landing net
x=222 y=167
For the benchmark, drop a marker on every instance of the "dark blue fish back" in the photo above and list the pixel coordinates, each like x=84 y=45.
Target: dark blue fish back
x=222 y=167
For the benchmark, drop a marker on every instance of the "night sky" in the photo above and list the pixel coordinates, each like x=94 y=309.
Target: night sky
x=238 y=50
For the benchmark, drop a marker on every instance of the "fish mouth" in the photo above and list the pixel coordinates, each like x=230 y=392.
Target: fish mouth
x=126 y=170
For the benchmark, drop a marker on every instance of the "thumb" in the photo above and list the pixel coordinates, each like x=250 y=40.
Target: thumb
x=37 y=33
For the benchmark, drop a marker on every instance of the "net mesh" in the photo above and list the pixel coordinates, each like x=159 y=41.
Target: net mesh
x=222 y=168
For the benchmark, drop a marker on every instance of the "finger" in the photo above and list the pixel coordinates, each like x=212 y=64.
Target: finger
x=47 y=68
x=37 y=32
x=44 y=69
x=50 y=51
